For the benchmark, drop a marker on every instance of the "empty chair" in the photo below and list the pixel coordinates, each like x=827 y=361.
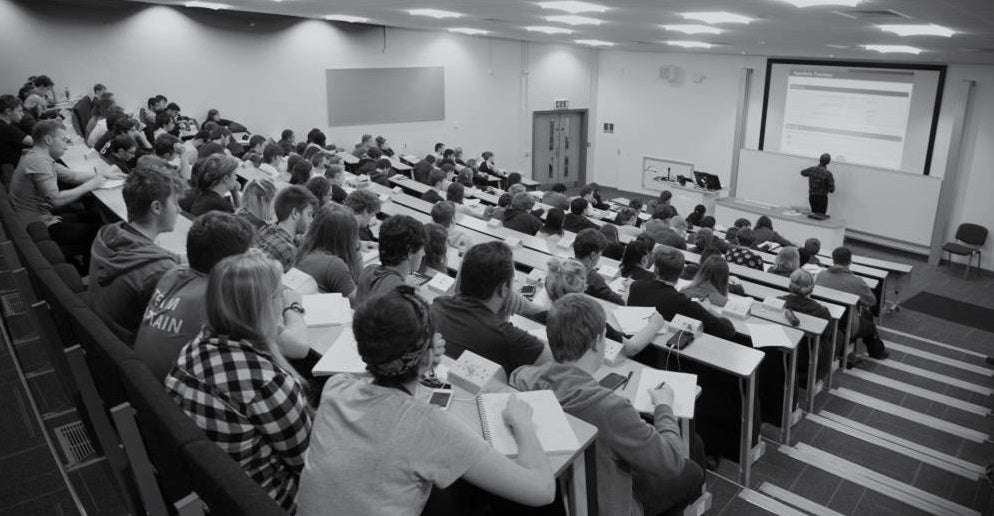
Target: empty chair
x=970 y=238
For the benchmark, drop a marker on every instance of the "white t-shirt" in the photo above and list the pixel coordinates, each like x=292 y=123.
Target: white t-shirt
x=97 y=133
x=377 y=450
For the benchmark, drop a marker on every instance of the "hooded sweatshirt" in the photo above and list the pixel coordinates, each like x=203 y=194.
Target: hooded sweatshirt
x=375 y=280
x=627 y=446
x=124 y=268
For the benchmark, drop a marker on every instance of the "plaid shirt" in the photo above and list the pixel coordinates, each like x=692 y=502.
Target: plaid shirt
x=251 y=407
x=743 y=256
x=820 y=180
x=277 y=243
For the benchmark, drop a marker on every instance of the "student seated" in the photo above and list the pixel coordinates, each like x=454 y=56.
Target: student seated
x=320 y=187
x=741 y=255
x=764 y=232
x=436 y=180
x=272 y=158
x=12 y=139
x=423 y=168
x=809 y=253
x=287 y=141
x=787 y=261
x=487 y=166
x=660 y=231
x=121 y=153
x=588 y=246
x=257 y=203
x=839 y=277
x=802 y=284
x=705 y=243
x=376 y=449
x=710 y=283
x=126 y=263
x=695 y=216
x=519 y=216
x=472 y=319
x=217 y=178
x=637 y=260
x=576 y=220
x=552 y=231
x=444 y=214
x=365 y=205
x=556 y=197
x=661 y=293
x=35 y=194
x=330 y=251
x=235 y=384
x=174 y=314
x=382 y=144
x=164 y=124
x=641 y=467
x=436 y=259
x=592 y=193
x=614 y=249
x=300 y=174
x=627 y=221
x=336 y=176
x=401 y=247
x=294 y=208
x=170 y=155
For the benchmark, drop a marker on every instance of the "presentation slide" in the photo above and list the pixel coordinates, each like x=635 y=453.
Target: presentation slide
x=878 y=117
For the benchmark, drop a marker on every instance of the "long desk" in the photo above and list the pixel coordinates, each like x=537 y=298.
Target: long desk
x=797 y=228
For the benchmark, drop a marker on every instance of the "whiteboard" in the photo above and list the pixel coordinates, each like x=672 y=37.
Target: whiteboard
x=654 y=172
x=359 y=96
x=885 y=203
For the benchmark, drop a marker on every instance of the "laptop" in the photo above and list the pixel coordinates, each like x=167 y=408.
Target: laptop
x=707 y=181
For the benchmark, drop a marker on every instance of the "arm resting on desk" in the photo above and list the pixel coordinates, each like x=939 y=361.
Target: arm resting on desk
x=527 y=480
x=59 y=198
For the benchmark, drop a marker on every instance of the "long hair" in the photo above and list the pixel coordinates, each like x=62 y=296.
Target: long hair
x=553 y=222
x=436 y=248
x=334 y=230
x=241 y=302
x=257 y=198
x=635 y=251
x=714 y=270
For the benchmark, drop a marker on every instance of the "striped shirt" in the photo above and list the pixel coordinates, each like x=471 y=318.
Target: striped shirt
x=250 y=406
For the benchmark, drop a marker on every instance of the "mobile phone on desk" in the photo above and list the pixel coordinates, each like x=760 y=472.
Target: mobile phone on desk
x=614 y=380
x=441 y=398
x=528 y=291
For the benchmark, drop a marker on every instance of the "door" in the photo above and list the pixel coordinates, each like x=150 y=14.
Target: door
x=559 y=147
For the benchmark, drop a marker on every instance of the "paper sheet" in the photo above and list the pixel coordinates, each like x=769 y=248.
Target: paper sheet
x=768 y=336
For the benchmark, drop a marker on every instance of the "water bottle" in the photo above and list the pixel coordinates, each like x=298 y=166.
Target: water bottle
x=67 y=92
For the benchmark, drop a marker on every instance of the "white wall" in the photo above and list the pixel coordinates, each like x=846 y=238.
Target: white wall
x=270 y=74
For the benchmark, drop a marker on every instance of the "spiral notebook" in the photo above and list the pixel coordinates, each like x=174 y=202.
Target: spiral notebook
x=554 y=431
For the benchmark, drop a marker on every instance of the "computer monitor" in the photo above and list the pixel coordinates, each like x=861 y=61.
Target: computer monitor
x=707 y=181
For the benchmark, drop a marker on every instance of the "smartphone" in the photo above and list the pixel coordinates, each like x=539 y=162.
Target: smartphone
x=613 y=381
x=528 y=291
x=441 y=398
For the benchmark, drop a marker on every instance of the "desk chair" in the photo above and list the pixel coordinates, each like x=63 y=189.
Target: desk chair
x=973 y=238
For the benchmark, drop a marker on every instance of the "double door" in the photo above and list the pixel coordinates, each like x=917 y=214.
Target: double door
x=559 y=147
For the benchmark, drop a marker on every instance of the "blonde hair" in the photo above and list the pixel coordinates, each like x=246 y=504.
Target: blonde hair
x=257 y=199
x=240 y=302
x=788 y=259
x=564 y=276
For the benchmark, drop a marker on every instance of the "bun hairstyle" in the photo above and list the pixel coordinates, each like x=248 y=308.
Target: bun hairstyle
x=564 y=276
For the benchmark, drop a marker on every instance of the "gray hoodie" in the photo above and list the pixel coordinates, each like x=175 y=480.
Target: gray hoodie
x=627 y=446
x=125 y=266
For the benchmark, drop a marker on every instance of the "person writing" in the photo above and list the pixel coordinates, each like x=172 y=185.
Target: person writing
x=820 y=184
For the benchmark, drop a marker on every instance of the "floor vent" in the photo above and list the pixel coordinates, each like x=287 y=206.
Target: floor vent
x=75 y=443
x=12 y=304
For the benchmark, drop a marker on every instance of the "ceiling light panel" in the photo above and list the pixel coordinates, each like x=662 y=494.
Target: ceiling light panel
x=820 y=3
x=716 y=17
x=435 y=13
x=572 y=19
x=690 y=28
x=594 y=43
x=548 y=29
x=208 y=5
x=346 y=18
x=894 y=49
x=573 y=7
x=930 y=29
x=469 y=31
x=689 y=44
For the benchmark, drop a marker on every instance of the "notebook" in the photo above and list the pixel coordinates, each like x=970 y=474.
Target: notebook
x=112 y=183
x=631 y=319
x=299 y=282
x=684 y=391
x=553 y=429
x=326 y=310
x=768 y=336
x=341 y=357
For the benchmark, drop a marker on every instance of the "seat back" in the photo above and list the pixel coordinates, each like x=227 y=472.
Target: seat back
x=973 y=234
x=224 y=486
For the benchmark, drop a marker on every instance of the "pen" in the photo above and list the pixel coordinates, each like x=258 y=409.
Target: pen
x=660 y=386
x=627 y=379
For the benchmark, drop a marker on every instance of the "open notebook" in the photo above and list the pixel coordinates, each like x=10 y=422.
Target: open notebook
x=326 y=310
x=631 y=319
x=341 y=357
x=553 y=429
x=684 y=391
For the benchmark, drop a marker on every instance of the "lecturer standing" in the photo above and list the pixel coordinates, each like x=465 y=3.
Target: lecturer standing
x=820 y=184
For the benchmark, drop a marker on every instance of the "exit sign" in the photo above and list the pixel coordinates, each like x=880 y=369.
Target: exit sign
x=562 y=104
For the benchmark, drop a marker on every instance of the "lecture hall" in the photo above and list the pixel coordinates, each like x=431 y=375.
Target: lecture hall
x=496 y=257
